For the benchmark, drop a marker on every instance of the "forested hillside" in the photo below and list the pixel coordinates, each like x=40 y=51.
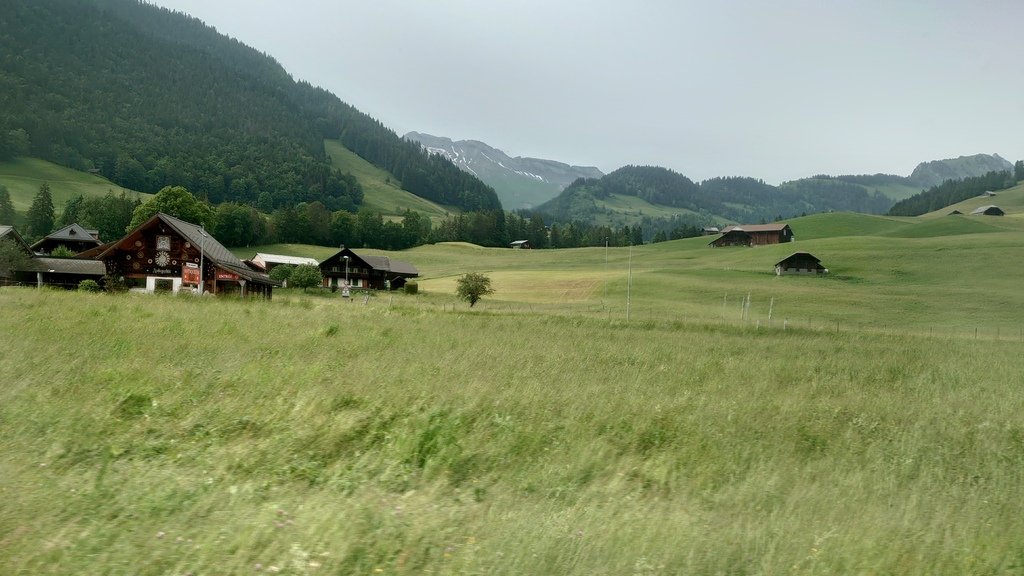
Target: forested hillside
x=716 y=200
x=150 y=98
x=953 y=191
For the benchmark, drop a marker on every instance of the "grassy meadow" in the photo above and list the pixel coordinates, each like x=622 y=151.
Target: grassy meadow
x=872 y=425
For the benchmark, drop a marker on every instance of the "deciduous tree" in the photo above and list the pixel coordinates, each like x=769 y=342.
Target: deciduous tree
x=473 y=286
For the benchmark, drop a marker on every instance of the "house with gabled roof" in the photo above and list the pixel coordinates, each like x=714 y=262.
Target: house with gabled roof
x=74 y=237
x=800 y=263
x=754 y=235
x=166 y=253
x=365 y=271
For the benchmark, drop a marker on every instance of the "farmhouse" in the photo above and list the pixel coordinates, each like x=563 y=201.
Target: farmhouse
x=73 y=237
x=168 y=254
x=710 y=231
x=520 y=244
x=365 y=271
x=799 y=263
x=989 y=210
x=754 y=235
x=41 y=270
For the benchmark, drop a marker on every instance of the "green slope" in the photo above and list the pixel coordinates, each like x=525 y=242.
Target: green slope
x=382 y=192
x=620 y=210
x=24 y=176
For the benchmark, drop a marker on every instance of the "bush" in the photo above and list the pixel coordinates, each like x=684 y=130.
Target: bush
x=115 y=283
x=89 y=286
x=472 y=287
x=411 y=288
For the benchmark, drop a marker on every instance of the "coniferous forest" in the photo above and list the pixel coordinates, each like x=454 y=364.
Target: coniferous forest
x=152 y=98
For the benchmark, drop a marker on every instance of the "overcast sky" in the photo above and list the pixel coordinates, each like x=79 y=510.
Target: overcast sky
x=777 y=90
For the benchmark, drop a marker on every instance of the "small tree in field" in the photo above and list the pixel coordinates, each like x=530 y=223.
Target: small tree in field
x=305 y=276
x=281 y=273
x=472 y=287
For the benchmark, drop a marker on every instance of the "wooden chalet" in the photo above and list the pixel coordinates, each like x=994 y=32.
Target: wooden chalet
x=73 y=237
x=365 y=271
x=165 y=253
x=710 y=231
x=990 y=210
x=800 y=263
x=520 y=244
x=753 y=235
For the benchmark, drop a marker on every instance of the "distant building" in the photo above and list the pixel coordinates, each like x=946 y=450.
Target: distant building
x=989 y=193
x=73 y=237
x=517 y=244
x=989 y=210
x=754 y=235
x=710 y=230
x=268 y=262
x=800 y=263
x=955 y=212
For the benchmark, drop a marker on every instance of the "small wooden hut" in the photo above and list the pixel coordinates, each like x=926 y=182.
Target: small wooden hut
x=800 y=263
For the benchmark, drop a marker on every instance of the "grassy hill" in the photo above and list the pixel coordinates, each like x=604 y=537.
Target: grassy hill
x=863 y=422
x=382 y=192
x=24 y=176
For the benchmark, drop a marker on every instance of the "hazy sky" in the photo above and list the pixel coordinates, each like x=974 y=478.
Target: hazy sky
x=777 y=89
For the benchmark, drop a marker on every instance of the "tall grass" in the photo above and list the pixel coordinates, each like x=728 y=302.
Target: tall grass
x=167 y=435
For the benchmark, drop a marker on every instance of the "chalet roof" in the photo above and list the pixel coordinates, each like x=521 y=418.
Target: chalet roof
x=796 y=255
x=282 y=259
x=518 y=242
x=984 y=209
x=8 y=232
x=776 y=227
x=212 y=249
x=75 y=266
x=70 y=233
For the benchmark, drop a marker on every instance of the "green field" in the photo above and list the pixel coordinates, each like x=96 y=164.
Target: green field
x=867 y=422
x=630 y=210
x=24 y=176
x=381 y=191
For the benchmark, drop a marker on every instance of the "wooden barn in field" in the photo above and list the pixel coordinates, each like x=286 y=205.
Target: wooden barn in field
x=800 y=263
x=754 y=235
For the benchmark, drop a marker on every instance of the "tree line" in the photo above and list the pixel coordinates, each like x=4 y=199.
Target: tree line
x=953 y=191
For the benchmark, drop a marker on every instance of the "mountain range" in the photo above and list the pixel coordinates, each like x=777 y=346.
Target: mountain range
x=521 y=183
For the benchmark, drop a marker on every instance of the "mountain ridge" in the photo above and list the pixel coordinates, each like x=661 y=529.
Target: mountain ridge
x=520 y=182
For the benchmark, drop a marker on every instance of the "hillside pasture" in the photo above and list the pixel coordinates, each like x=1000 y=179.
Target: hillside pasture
x=24 y=176
x=382 y=192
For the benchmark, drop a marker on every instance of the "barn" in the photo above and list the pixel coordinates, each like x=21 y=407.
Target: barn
x=800 y=263
x=990 y=210
x=754 y=235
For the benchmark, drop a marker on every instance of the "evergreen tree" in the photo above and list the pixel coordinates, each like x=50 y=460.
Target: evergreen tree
x=1018 y=170
x=40 y=214
x=7 y=213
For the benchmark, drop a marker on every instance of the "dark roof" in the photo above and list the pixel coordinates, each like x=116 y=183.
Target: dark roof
x=777 y=227
x=985 y=209
x=212 y=249
x=70 y=233
x=801 y=255
x=68 y=266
